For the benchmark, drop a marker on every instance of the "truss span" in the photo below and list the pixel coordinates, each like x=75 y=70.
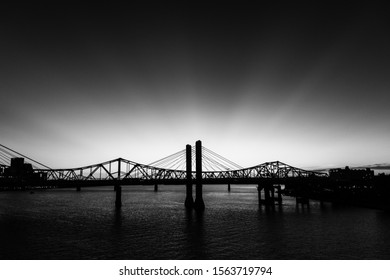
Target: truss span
x=116 y=169
x=267 y=170
x=122 y=169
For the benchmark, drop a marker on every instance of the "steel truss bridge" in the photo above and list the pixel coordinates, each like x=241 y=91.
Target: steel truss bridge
x=173 y=169
x=129 y=172
x=176 y=169
x=198 y=166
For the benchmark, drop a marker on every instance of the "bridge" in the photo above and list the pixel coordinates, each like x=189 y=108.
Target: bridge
x=192 y=166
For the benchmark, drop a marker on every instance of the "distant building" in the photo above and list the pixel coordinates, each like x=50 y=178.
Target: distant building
x=18 y=168
x=351 y=174
x=2 y=170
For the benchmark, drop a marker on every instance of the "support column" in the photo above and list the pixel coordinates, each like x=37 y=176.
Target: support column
x=155 y=187
x=259 y=194
x=118 y=196
x=302 y=196
x=118 y=188
x=189 y=203
x=78 y=188
x=199 y=203
x=302 y=200
x=266 y=195
x=279 y=195
x=228 y=187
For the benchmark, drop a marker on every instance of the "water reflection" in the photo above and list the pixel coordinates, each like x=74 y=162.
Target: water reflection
x=195 y=232
x=269 y=209
x=118 y=218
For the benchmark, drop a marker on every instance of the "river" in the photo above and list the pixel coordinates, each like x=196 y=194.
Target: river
x=65 y=224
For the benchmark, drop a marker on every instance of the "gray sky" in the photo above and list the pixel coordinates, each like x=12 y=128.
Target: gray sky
x=309 y=87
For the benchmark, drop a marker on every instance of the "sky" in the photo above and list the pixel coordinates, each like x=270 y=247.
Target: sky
x=305 y=86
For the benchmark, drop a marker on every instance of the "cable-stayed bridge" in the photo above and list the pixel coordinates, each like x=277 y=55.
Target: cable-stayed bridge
x=198 y=166
x=192 y=166
x=171 y=169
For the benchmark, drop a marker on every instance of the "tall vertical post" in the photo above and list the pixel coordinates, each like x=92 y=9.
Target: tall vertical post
x=118 y=188
x=118 y=197
x=279 y=194
x=199 y=203
x=259 y=194
x=189 y=203
x=78 y=188
x=267 y=194
x=229 y=187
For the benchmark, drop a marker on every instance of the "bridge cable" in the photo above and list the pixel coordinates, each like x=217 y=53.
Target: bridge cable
x=170 y=162
x=223 y=158
x=175 y=162
x=170 y=158
x=41 y=164
x=211 y=161
x=167 y=158
x=218 y=162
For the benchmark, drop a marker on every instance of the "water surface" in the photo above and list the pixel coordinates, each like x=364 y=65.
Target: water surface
x=65 y=224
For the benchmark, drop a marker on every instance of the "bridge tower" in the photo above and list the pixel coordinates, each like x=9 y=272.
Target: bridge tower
x=189 y=203
x=118 y=188
x=199 y=203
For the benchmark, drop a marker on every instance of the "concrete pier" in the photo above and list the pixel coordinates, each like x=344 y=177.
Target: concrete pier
x=279 y=189
x=155 y=187
x=302 y=195
x=189 y=202
x=199 y=203
x=118 y=188
x=259 y=194
x=269 y=194
x=302 y=200
x=118 y=197
x=228 y=187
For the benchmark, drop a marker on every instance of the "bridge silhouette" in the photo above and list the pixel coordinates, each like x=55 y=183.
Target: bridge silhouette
x=176 y=169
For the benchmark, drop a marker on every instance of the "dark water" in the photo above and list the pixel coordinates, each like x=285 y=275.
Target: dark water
x=65 y=224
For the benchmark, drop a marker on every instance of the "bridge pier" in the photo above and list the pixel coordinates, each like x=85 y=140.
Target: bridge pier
x=267 y=200
x=155 y=187
x=78 y=188
x=199 y=203
x=118 y=196
x=302 y=194
x=279 y=189
x=189 y=202
x=302 y=200
x=228 y=187
x=259 y=194
x=118 y=188
x=269 y=194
